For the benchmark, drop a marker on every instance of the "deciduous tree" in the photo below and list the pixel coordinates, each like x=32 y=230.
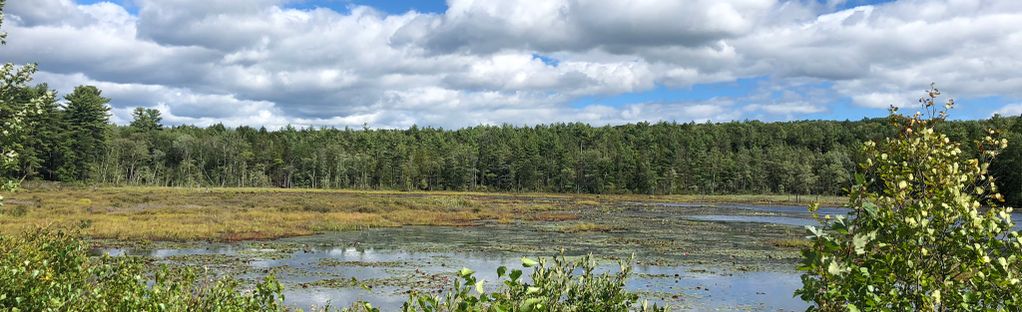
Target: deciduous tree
x=928 y=230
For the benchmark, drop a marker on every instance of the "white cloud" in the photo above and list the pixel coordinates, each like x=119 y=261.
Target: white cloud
x=261 y=63
x=881 y=55
x=1010 y=110
x=789 y=109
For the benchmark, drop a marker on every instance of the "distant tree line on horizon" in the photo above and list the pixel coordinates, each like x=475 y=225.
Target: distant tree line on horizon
x=74 y=141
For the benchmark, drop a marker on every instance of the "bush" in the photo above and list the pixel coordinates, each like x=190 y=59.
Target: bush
x=563 y=286
x=927 y=232
x=51 y=271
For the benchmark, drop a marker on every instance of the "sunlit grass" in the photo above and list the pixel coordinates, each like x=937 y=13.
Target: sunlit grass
x=227 y=214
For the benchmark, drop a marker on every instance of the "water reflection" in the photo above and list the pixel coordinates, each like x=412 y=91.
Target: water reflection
x=695 y=288
x=425 y=258
x=699 y=289
x=757 y=219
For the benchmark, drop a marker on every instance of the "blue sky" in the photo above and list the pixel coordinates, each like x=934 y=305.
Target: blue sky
x=456 y=63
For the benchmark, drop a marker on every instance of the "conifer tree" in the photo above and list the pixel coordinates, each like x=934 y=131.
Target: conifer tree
x=86 y=116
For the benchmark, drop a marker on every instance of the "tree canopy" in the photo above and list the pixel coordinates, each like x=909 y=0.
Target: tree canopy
x=799 y=157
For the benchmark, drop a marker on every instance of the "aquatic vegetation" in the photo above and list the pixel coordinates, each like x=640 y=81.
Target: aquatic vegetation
x=49 y=270
x=559 y=286
x=928 y=233
x=335 y=262
x=586 y=227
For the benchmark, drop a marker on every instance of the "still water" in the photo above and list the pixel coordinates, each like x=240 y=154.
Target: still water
x=381 y=265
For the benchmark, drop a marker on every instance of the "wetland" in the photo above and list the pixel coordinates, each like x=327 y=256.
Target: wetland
x=334 y=248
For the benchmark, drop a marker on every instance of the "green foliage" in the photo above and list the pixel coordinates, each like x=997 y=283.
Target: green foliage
x=806 y=157
x=51 y=271
x=146 y=119
x=86 y=117
x=928 y=231
x=43 y=148
x=1007 y=167
x=563 y=286
x=14 y=109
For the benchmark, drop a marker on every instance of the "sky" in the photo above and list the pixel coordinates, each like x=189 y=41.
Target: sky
x=460 y=63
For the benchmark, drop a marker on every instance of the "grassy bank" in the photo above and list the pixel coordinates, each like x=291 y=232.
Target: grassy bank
x=229 y=214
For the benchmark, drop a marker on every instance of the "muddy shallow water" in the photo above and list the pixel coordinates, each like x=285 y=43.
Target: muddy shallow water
x=691 y=257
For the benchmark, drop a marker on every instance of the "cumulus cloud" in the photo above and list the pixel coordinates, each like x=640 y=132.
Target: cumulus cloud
x=882 y=55
x=577 y=25
x=1010 y=110
x=261 y=62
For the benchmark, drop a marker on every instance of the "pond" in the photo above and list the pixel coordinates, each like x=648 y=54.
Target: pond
x=690 y=257
x=801 y=210
x=316 y=275
x=793 y=221
x=788 y=215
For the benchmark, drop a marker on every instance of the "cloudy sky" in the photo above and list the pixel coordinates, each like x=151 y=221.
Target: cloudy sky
x=460 y=63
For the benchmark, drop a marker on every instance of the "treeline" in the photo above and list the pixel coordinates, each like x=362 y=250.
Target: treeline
x=73 y=141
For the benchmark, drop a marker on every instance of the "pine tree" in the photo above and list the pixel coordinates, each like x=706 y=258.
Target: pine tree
x=146 y=119
x=86 y=116
x=43 y=149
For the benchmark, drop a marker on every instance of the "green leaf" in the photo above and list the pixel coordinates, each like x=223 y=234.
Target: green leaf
x=860 y=241
x=834 y=268
x=479 y=286
x=501 y=270
x=852 y=308
x=870 y=208
x=515 y=274
x=532 y=304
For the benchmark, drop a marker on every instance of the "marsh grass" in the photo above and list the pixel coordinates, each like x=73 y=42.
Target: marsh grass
x=178 y=214
x=234 y=214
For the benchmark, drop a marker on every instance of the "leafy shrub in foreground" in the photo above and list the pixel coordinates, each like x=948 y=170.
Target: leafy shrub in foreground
x=928 y=231
x=51 y=271
x=567 y=286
